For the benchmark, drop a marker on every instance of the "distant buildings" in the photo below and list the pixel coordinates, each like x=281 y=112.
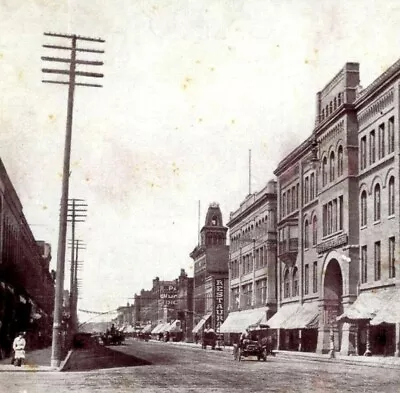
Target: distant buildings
x=26 y=284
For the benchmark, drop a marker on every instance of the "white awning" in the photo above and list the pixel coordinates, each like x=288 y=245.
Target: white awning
x=201 y=323
x=282 y=315
x=306 y=316
x=238 y=321
x=147 y=328
x=174 y=327
x=390 y=313
x=367 y=305
x=158 y=328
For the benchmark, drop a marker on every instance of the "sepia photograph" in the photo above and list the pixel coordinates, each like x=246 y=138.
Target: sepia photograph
x=199 y=196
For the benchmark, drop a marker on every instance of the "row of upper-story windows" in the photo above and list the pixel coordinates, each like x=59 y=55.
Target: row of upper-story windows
x=291 y=281
x=377 y=146
x=332 y=216
x=290 y=200
x=310 y=188
x=391 y=199
x=252 y=231
x=332 y=106
x=306 y=235
x=260 y=260
x=334 y=168
x=377 y=258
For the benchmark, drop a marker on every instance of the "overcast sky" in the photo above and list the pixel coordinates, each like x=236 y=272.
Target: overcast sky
x=189 y=88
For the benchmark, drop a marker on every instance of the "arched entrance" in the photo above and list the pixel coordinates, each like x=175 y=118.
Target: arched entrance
x=332 y=307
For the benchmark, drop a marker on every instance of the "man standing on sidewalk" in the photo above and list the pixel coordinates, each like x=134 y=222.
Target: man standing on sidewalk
x=19 y=349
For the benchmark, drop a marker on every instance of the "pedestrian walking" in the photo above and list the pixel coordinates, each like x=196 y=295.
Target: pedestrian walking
x=19 y=344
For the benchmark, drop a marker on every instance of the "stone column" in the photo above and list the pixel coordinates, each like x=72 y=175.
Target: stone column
x=368 y=344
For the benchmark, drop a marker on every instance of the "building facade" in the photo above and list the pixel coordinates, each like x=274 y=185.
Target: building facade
x=338 y=220
x=210 y=281
x=252 y=261
x=26 y=284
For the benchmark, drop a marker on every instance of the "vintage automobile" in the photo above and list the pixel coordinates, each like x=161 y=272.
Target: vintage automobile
x=249 y=347
x=112 y=338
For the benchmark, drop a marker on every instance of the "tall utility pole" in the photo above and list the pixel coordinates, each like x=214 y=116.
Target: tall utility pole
x=71 y=73
x=77 y=210
x=74 y=286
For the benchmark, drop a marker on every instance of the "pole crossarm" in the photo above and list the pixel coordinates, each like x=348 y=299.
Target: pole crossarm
x=73 y=49
x=66 y=72
x=77 y=37
x=67 y=83
x=64 y=60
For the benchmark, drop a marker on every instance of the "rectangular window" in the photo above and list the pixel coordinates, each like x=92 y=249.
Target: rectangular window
x=289 y=202
x=391 y=135
x=363 y=152
x=315 y=277
x=306 y=189
x=294 y=198
x=372 y=147
x=377 y=261
x=312 y=186
x=364 y=264
x=381 y=141
x=340 y=214
x=297 y=195
x=306 y=279
x=392 y=250
x=335 y=215
x=324 y=220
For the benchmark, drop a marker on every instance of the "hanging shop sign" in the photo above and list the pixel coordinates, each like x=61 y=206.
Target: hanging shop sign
x=219 y=303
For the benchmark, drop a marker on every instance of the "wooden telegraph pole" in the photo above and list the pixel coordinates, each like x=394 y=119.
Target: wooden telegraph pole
x=77 y=212
x=72 y=73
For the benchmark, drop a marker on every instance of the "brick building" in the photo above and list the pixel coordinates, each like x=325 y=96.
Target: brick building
x=210 y=256
x=252 y=261
x=26 y=284
x=338 y=221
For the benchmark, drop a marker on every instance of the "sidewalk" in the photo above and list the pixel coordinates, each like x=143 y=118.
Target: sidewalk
x=369 y=361
x=37 y=360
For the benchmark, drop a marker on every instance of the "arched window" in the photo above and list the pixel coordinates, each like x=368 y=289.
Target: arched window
x=306 y=234
x=324 y=174
x=340 y=161
x=332 y=167
x=314 y=231
x=339 y=99
x=334 y=104
x=330 y=107
x=322 y=114
x=391 y=196
x=377 y=202
x=286 y=286
x=364 y=208
x=295 y=289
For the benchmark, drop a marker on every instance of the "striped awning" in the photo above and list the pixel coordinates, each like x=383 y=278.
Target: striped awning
x=285 y=312
x=305 y=317
x=390 y=312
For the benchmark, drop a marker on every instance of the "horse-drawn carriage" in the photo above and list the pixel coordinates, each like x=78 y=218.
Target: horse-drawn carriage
x=113 y=337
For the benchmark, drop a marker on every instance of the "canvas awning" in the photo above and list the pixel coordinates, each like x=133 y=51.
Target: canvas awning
x=174 y=327
x=367 y=305
x=238 y=321
x=158 y=328
x=147 y=328
x=306 y=316
x=390 y=313
x=283 y=313
x=201 y=323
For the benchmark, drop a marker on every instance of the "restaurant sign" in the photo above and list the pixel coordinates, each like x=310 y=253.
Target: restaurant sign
x=219 y=303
